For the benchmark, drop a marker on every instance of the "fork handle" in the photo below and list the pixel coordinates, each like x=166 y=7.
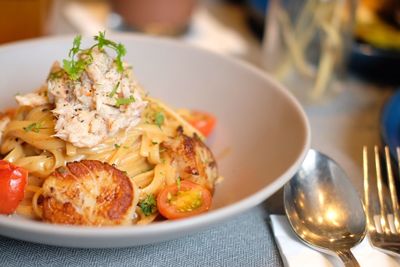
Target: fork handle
x=347 y=258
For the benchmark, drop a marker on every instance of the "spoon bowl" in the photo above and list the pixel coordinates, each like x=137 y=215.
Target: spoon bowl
x=324 y=208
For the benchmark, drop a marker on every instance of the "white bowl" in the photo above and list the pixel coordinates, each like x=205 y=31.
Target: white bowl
x=261 y=138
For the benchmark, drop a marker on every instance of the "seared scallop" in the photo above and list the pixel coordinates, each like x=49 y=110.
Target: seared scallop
x=88 y=192
x=192 y=159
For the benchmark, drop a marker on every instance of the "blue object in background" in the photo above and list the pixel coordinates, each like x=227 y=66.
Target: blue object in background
x=258 y=6
x=390 y=123
x=375 y=65
x=257 y=10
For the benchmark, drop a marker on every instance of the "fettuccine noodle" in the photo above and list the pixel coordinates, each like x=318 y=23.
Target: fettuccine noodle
x=136 y=151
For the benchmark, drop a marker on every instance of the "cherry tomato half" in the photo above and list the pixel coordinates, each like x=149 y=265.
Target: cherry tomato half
x=13 y=180
x=184 y=200
x=202 y=121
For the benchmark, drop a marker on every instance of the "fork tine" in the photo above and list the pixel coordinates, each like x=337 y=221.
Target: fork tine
x=398 y=156
x=367 y=203
x=382 y=228
x=392 y=189
x=383 y=219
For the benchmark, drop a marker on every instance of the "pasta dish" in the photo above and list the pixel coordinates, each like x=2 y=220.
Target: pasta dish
x=91 y=147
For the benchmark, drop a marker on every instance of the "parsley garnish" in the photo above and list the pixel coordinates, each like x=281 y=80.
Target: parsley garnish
x=76 y=64
x=159 y=119
x=114 y=91
x=118 y=48
x=73 y=67
x=124 y=101
x=117 y=146
x=148 y=205
x=34 y=127
x=76 y=44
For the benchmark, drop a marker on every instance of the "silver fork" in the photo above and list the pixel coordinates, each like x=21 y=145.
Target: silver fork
x=383 y=221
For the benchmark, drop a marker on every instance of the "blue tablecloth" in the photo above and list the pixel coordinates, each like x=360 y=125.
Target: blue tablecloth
x=243 y=241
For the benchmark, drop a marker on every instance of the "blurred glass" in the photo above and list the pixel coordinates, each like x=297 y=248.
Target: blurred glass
x=306 y=44
x=155 y=16
x=22 y=19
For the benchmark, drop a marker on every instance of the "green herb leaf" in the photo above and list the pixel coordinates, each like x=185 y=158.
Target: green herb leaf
x=68 y=67
x=121 y=51
x=117 y=146
x=178 y=182
x=114 y=91
x=148 y=205
x=73 y=67
x=101 y=38
x=124 y=101
x=159 y=119
x=34 y=127
x=76 y=46
x=118 y=48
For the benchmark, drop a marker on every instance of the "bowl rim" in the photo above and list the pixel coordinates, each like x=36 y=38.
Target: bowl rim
x=203 y=220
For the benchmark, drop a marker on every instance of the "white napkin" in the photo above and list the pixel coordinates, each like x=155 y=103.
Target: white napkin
x=294 y=253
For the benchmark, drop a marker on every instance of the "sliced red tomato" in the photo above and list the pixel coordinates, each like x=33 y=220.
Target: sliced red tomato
x=13 y=180
x=184 y=200
x=202 y=121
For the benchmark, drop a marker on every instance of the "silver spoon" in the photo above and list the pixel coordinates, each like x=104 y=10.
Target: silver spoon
x=324 y=209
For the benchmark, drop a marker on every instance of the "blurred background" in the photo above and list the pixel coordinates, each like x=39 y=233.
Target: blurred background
x=316 y=41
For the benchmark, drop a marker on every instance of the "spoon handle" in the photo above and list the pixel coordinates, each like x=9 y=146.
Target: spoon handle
x=347 y=258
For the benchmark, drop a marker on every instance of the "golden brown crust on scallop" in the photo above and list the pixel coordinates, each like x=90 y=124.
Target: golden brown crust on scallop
x=62 y=213
x=88 y=192
x=192 y=159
